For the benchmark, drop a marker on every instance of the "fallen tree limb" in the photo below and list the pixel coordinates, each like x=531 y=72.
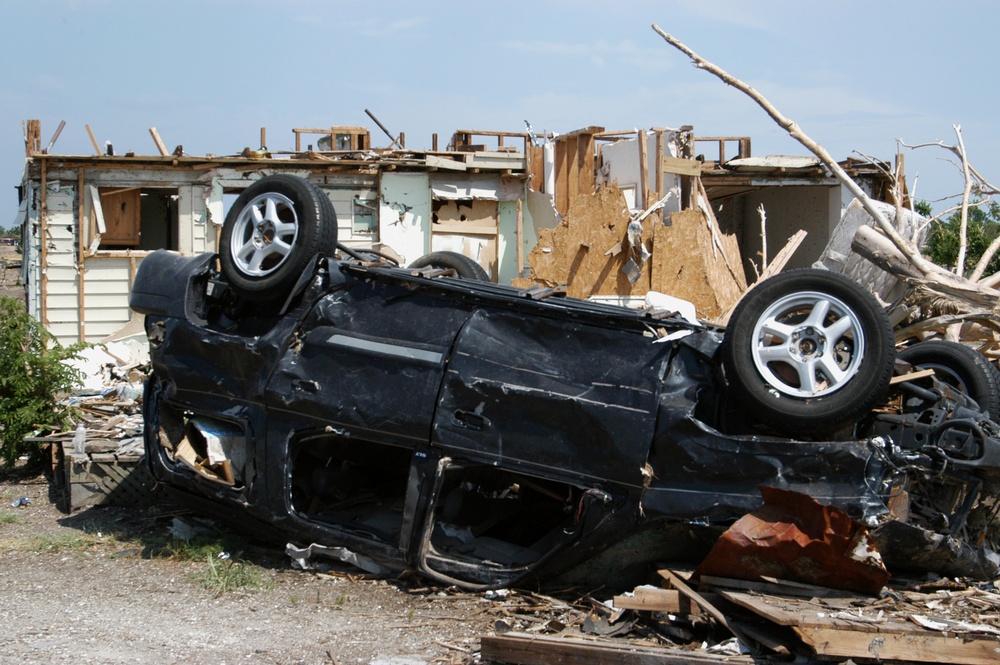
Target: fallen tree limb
x=908 y=250
x=875 y=247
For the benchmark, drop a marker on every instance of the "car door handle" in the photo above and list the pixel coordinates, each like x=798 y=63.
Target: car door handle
x=471 y=420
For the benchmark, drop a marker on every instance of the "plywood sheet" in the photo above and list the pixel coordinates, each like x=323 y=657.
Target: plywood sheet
x=576 y=252
x=688 y=263
x=690 y=257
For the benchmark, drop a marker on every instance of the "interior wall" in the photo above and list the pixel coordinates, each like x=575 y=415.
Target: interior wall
x=787 y=209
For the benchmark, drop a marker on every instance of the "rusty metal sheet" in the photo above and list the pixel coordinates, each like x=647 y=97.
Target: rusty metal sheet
x=794 y=537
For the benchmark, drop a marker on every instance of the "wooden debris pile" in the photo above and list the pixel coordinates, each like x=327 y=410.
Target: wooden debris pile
x=99 y=459
x=738 y=621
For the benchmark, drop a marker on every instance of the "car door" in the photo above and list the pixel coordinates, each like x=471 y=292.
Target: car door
x=551 y=396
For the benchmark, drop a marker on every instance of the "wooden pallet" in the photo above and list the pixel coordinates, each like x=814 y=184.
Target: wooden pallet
x=102 y=478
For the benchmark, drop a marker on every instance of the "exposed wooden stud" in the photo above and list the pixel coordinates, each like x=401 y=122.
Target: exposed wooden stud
x=80 y=255
x=32 y=137
x=434 y=142
x=43 y=231
x=55 y=136
x=520 y=240
x=643 y=201
x=93 y=141
x=658 y=174
x=159 y=142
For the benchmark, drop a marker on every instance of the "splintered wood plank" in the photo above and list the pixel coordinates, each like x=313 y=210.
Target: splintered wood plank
x=887 y=639
x=650 y=599
x=775 y=586
x=520 y=649
x=922 y=647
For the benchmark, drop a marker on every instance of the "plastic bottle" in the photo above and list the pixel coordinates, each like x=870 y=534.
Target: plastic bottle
x=80 y=439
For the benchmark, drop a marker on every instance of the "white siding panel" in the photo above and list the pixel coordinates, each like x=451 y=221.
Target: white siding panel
x=185 y=232
x=63 y=301
x=57 y=273
x=99 y=330
x=62 y=229
x=61 y=259
x=62 y=287
x=67 y=332
x=107 y=314
x=63 y=200
x=108 y=270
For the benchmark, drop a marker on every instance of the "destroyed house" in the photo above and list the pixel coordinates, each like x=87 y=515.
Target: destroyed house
x=88 y=220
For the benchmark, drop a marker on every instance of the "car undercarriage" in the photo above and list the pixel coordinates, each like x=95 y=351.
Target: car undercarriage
x=484 y=436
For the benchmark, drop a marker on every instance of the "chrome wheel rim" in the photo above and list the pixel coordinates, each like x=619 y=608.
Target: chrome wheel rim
x=808 y=344
x=264 y=234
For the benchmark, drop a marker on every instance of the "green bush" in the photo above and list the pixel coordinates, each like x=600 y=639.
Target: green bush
x=33 y=378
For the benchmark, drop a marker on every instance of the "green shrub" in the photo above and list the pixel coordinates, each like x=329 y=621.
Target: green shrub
x=33 y=378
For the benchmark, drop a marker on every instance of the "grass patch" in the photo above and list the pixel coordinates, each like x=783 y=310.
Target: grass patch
x=11 y=518
x=62 y=542
x=202 y=547
x=86 y=540
x=222 y=576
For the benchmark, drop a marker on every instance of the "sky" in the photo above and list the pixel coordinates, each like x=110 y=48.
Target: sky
x=855 y=76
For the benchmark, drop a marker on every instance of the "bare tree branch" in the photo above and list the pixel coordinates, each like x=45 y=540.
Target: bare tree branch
x=963 y=235
x=911 y=253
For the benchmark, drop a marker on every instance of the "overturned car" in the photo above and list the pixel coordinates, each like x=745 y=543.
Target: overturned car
x=423 y=418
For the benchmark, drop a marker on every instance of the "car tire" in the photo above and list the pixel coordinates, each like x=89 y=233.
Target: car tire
x=808 y=352
x=960 y=367
x=465 y=267
x=273 y=230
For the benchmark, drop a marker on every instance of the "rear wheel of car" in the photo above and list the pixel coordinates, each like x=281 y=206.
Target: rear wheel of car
x=463 y=266
x=808 y=352
x=272 y=232
x=962 y=368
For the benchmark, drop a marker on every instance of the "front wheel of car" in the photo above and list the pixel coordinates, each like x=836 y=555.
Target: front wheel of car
x=274 y=229
x=808 y=352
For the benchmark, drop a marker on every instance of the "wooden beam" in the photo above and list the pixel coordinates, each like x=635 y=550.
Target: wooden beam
x=677 y=583
x=520 y=239
x=43 y=233
x=159 y=142
x=658 y=182
x=652 y=599
x=55 y=136
x=643 y=171
x=80 y=254
x=680 y=166
x=93 y=141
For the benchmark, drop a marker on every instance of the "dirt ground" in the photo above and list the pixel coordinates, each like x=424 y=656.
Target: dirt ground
x=95 y=587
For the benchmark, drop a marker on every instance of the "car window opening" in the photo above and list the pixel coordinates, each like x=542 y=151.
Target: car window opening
x=509 y=519
x=212 y=448
x=358 y=485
